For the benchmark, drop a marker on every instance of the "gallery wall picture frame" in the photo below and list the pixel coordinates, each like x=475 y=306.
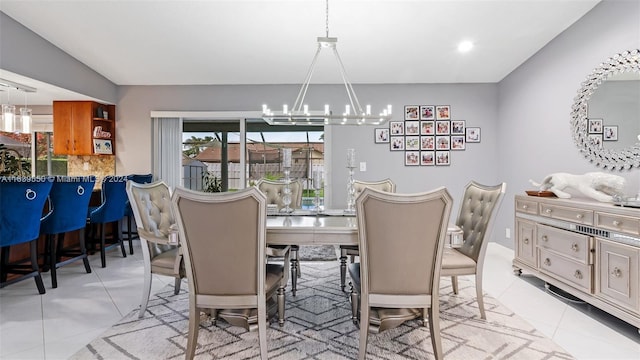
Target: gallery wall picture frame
x=412 y=112
x=427 y=142
x=396 y=128
x=472 y=135
x=595 y=140
x=427 y=158
x=457 y=127
x=457 y=142
x=102 y=146
x=427 y=127
x=412 y=127
x=412 y=158
x=595 y=126
x=427 y=112
x=381 y=135
x=396 y=143
x=443 y=112
x=610 y=133
x=443 y=143
x=443 y=158
x=443 y=127
x=412 y=143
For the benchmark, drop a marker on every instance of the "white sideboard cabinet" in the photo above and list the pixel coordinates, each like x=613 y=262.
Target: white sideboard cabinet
x=588 y=249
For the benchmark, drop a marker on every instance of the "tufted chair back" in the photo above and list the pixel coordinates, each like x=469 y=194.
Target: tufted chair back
x=273 y=191
x=385 y=185
x=478 y=207
x=151 y=205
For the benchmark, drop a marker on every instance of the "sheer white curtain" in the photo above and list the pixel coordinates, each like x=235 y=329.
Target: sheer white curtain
x=167 y=150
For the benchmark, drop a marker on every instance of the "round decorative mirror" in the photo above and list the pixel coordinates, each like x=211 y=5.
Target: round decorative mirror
x=605 y=116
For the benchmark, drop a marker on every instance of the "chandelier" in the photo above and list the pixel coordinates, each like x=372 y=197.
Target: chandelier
x=300 y=114
x=12 y=122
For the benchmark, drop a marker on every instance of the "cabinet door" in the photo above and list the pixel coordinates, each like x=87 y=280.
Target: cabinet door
x=618 y=274
x=81 y=128
x=62 y=138
x=525 y=241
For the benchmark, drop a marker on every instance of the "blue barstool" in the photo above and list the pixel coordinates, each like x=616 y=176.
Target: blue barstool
x=132 y=234
x=21 y=204
x=114 y=202
x=69 y=203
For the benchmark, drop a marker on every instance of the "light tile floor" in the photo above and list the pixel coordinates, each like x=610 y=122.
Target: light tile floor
x=59 y=323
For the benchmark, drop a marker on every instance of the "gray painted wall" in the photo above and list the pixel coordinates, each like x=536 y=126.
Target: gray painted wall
x=524 y=118
x=535 y=101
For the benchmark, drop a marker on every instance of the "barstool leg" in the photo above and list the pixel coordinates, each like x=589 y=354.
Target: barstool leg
x=103 y=255
x=83 y=251
x=120 y=238
x=34 y=266
x=51 y=241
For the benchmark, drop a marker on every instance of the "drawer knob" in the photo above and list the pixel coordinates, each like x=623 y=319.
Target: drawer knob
x=548 y=211
x=578 y=274
x=617 y=223
x=525 y=206
x=547 y=262
x=526 y=240
x=574 y=247
x=616 y=272
x=579 y=216
x=545 y=238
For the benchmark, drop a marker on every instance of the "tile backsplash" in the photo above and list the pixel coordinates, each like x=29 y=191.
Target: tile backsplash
x=100 y=166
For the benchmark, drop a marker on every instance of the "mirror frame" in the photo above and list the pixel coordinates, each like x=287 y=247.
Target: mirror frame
x=612 y=159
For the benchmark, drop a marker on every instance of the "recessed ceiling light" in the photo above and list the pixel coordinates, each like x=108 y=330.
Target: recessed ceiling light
x=465 y=46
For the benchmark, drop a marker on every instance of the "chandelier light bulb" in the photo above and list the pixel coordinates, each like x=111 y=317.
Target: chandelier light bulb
x=306 y=109
x=285 y=109
x=368 y=110
x=25 y=117
x=8 y=117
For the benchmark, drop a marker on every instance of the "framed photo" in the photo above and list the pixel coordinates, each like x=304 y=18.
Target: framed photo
x=427 y=158
x=443 y=143
x=457 y=142
x=427 y=112
x=610 y=133
x=442 y=158
x=411 y=112
x=102 y=146
x=427 y=127
x=412 y=143
x=396 y=143
x=473 y=134
x=412 y=127
x=595 y=140
x=457 y=127
x=427 y=142
x=595 y=126
x=443 y=112
x=396 y=128
x=381 y=135
x=443 y=127
x=412 y=158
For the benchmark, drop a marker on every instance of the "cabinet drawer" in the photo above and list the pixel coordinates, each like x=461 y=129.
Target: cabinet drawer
x=572 y=245
x=525 y=241
x=574 y=215
x=526 y=206
x=569 y=271
x=617 y=279
x=624 y=224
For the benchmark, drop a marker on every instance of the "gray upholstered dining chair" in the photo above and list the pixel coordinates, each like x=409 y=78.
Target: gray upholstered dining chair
x=401 y=239
x=153 y=214
x=273 y=190
x=223 y=238
x=479 y=205
x=352 y=250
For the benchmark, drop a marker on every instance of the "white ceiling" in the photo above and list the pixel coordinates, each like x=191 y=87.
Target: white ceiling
x=178 y=42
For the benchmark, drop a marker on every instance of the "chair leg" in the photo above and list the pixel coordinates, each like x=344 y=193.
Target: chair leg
x=51 y=243
x=120 y=238
x=146 y=291
x=194 y=325
x=103 y=254
x=364 y=332
x=294 y=270
x=454 y=284
x=83 y=249
x=4 y=260
x=176 y=286
x=434 y=328
x=355 y=299
x=129 y=236
x=343 y=268
x=262 y=326
x=280 y=298
x=34 y=266
x=480 y=296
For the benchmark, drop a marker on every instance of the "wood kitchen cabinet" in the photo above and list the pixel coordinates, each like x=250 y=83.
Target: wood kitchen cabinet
x=76 y=124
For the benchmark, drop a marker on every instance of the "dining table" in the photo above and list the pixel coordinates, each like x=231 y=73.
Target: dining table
x=329 y=227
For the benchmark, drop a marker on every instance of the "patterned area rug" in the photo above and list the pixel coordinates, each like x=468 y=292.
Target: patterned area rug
x=318 y=326
x=317 y=253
